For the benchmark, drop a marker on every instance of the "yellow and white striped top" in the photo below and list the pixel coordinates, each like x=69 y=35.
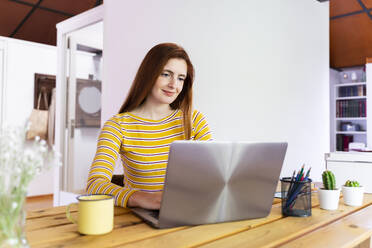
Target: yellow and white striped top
x=143 y=146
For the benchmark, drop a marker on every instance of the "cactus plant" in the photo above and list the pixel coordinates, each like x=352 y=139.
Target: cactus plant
x=352 y=184
x=329 y=180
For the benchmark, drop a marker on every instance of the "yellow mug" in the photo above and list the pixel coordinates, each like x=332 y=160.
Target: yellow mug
x=95 y=214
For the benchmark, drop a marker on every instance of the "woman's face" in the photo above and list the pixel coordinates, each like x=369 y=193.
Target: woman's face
x=170 y=82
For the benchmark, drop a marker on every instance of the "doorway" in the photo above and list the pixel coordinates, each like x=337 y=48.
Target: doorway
x=79 y=84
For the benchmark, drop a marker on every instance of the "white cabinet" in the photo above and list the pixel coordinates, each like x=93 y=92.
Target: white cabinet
x=351 y=166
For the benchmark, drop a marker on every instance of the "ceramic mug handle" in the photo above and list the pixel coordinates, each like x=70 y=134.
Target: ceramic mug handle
x=68 y=214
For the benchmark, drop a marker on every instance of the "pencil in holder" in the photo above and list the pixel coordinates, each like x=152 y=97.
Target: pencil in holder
x=296 y=197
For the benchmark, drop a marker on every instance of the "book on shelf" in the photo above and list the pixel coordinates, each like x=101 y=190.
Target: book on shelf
x=347 y=91
x=351 y=108
x=343 y=141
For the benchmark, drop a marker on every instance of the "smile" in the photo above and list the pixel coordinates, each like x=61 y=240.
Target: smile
x=169 y=93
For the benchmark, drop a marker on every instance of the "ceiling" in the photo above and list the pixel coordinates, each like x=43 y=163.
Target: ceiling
x=35 y=20
x=350 y=32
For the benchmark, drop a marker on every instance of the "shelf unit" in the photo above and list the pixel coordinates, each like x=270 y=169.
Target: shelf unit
x=350 y=97
x=349 y=100
x=349 y=84
x=351 y=118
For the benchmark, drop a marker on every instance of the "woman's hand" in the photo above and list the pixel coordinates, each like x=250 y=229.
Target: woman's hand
x=145 y=200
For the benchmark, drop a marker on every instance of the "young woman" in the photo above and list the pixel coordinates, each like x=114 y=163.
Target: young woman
x=157 y=111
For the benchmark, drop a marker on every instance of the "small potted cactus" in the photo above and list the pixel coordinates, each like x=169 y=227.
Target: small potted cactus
x=352 y=193
x=329 y=195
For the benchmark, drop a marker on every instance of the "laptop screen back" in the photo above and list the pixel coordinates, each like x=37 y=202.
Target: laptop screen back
x=209 y=182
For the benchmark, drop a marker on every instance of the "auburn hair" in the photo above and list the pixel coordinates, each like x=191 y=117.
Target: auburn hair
x=147 y=74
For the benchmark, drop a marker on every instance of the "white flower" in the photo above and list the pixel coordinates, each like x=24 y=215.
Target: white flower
x=43 y=149
x=21 y=161
x=28 y=125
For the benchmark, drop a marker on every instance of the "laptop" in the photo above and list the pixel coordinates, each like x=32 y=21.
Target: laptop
x=217 y=181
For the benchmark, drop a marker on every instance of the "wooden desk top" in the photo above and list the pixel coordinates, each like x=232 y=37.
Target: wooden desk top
x=345 y=227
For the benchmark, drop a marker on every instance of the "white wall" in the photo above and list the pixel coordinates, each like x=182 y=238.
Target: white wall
x=262 y=67
x=22 y=60
x=2 y=76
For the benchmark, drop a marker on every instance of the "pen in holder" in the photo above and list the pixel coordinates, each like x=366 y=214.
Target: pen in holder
x=296 y=197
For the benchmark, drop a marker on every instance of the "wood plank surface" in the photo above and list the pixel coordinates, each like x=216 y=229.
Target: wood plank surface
x=366 y=244
x=347 y=232
x=62 y=210
x=202 y=234
x=116 y=237
x=276 y=200
x=39 y=202
x=50 y=228
x=48 y=212
x=51 y=224
x=54 y=217
x=59 y=219
x=48 y=221
x=64 y=233
x=286 y=229
x=197 y=235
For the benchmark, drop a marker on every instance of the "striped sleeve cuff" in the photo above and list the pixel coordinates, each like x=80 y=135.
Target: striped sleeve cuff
x=102 y=186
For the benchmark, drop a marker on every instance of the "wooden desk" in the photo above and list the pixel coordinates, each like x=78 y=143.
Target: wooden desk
x=346 y=227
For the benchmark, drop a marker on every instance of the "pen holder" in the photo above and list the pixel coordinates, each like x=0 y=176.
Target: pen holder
x=296 y=197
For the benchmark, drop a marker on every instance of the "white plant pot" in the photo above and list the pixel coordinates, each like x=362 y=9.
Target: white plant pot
x=353 y=196
x=328 y=199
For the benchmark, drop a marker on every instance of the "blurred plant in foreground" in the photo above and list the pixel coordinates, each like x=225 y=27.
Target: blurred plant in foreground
x=20 y=162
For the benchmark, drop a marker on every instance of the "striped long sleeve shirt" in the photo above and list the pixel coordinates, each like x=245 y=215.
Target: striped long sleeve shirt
x=143 y=146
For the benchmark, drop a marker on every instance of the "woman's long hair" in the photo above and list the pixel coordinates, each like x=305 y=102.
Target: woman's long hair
x=147 y=74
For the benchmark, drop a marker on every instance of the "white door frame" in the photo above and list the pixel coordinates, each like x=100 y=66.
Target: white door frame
x=2 y=81
x=3 y=74
x=63 y=29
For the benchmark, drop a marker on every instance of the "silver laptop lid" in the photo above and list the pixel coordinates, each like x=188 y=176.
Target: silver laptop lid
x=215 y=181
